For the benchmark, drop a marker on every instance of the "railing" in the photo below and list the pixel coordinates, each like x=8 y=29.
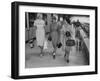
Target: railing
x=85 y=38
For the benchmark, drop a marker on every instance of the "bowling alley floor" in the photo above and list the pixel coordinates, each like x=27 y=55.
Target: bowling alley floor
x=33 y=60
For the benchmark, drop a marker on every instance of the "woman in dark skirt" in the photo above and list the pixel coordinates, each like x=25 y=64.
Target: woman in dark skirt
x=54 y=31
x=67 y=46
x=69 y=42
x=77 y=34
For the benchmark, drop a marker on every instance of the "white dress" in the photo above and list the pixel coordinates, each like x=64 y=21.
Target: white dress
x=40 y=31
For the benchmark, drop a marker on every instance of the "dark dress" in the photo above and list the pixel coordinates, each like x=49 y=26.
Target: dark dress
x=77 y=25
x=54 y=29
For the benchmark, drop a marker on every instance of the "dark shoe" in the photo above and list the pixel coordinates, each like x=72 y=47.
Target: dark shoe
x=64 y=55
x=67 y=61
x=59 y=45
x=54 y=56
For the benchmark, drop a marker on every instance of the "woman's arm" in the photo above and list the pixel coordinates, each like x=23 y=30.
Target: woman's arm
x=44 y=25
x=35 y=25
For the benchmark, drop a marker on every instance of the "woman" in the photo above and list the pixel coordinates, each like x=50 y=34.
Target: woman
x=67 y=35
x=68 y=47
x=54 y=35
x=39 y=23
x=77 y=33
x=62 y=32
x=60 y=23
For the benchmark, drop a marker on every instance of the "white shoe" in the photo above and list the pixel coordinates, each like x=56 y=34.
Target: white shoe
x=54 y=53
x=41 y=55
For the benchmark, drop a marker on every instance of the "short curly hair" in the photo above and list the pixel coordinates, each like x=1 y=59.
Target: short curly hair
x=68 y=34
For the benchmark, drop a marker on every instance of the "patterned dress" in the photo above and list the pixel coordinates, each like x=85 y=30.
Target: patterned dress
x=40 y=31
x=66 y=27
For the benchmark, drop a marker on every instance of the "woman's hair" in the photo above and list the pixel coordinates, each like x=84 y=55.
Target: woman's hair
x=39 y=15
x=54 y=18
x=68 y=34
x=67 y=19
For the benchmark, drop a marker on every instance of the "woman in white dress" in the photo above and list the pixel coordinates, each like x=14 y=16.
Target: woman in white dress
x=39 y=23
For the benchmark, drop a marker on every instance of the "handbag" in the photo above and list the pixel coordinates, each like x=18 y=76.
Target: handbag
x=49 y=38
x=70 y=42
x=59 y=45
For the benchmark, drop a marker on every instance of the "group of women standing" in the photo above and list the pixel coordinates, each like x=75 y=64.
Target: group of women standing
x=57 y=34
